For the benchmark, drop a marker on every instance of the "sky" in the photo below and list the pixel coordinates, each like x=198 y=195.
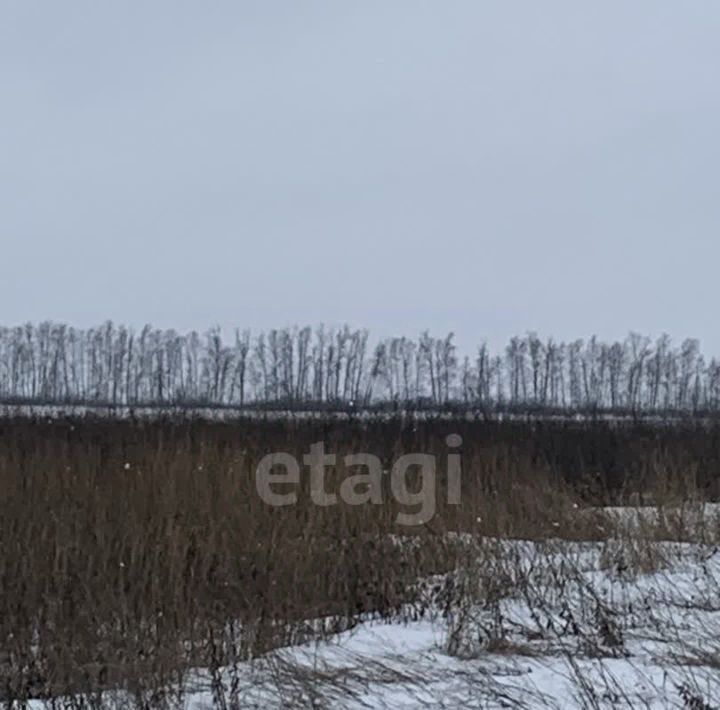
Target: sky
x=488 y=168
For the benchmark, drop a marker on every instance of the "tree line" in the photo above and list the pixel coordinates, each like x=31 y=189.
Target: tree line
x=52 y=363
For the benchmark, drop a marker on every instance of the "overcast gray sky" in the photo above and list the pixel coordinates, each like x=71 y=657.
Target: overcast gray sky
x=483 y=167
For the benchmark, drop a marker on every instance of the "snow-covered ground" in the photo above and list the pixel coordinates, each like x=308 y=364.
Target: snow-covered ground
x=342 y=412
x=622 y=623
x=580 y=627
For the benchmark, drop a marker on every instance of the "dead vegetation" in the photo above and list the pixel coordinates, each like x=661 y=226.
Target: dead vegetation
x=133 y=552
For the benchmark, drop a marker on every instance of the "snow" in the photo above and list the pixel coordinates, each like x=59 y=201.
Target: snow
x=533 y=625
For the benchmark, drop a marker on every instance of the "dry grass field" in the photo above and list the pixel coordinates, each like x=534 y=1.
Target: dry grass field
x=134 y=552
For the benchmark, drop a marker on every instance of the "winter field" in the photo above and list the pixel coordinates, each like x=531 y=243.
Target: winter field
x=360 y=355
x=623 y=623
x=140 y=567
